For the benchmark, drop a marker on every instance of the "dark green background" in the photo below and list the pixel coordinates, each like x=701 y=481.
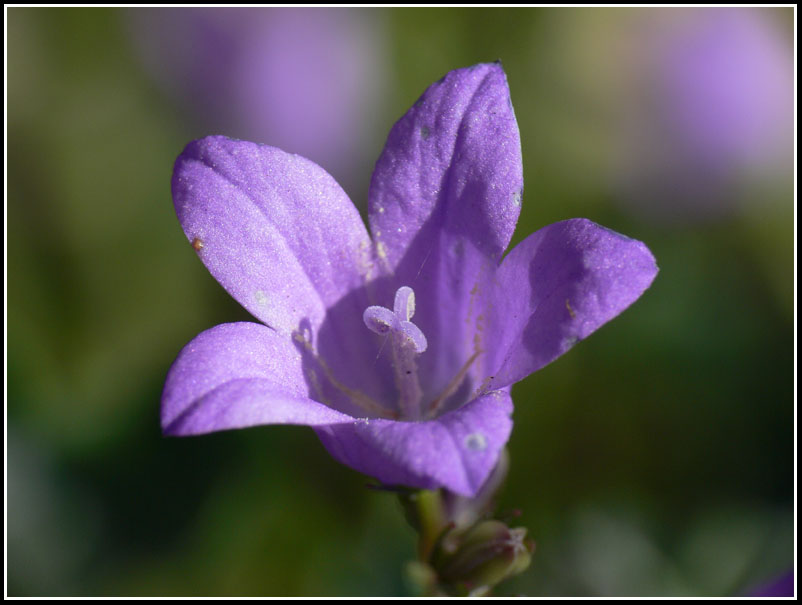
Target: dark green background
x=656 y=458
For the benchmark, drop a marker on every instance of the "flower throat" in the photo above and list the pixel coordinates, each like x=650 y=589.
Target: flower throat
x=407 y=341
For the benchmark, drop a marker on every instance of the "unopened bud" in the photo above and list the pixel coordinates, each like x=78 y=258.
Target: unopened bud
x=488 y=553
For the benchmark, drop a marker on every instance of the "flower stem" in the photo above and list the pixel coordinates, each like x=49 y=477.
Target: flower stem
x=430 y=514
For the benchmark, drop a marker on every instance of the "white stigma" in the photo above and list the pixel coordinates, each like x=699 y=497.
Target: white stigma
x=404 y=305
x=406 y=341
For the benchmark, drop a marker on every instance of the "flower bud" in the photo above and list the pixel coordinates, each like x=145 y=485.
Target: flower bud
x=483 y=556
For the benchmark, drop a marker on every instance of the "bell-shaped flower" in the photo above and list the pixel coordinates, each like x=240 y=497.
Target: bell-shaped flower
x=398 y=347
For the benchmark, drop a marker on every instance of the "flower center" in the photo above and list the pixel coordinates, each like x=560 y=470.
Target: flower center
x=406 y=343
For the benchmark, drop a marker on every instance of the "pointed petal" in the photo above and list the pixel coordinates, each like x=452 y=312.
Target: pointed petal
x=558 y=286
x=444 y=200
x=457 y=450
x=273 y=228
x=452 y=163
x=239 y=375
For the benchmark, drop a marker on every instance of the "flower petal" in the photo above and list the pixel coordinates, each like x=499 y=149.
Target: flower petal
x=558 y=286
x=239 y=375
x=444 y=200
x=273 y=228
x=453 y=164
x=457 y=450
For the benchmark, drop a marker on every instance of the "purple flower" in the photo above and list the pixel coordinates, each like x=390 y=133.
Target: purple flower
x=727 y=77
x=722 y=114
x=781 y=586
x=400 y=349
x=304 y=79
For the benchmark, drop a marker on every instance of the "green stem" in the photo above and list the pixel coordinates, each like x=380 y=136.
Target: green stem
x=430 y=516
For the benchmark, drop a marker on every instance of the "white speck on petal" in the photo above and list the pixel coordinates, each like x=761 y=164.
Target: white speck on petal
x=475 y=442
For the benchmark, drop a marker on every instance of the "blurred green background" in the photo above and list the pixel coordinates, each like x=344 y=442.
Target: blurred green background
x=656 y=458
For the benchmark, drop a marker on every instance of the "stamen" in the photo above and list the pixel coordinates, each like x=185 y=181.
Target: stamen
x=357 y=397
x=407 y=341
x=451 y=388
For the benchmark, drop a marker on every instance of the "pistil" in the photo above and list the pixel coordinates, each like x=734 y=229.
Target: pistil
x=406 y=343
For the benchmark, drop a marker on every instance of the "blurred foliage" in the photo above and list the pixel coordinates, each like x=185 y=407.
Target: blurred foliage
x=654 y=459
